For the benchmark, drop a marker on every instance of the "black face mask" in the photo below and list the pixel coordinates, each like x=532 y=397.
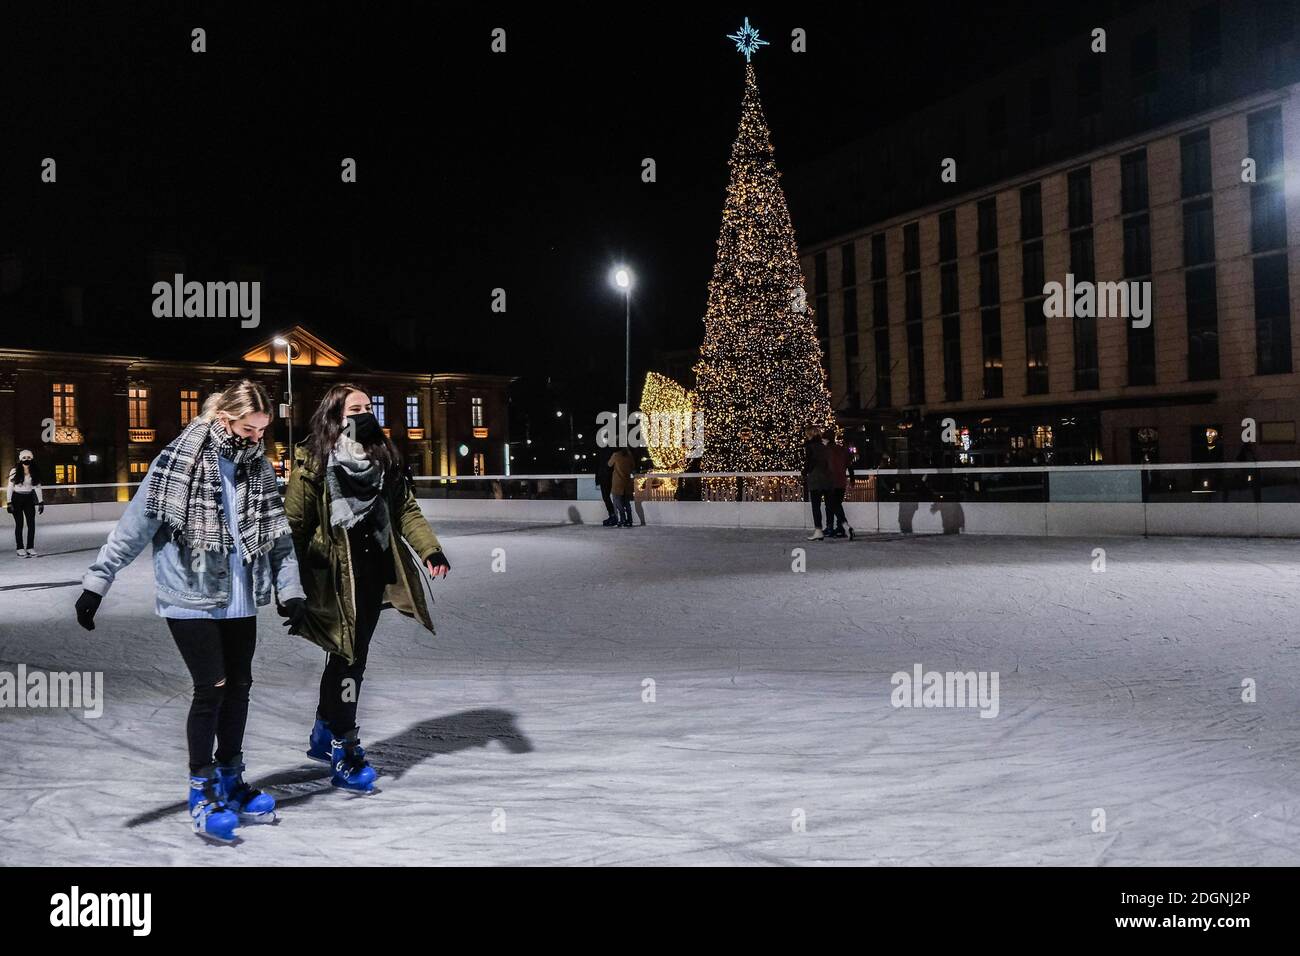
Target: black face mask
x=365 y=428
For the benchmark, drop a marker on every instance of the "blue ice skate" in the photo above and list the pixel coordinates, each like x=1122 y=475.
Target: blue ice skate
x=351 y=772
x=212 y=819
x=252 y=805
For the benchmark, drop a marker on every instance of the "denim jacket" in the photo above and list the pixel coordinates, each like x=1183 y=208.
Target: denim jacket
x=174 y=572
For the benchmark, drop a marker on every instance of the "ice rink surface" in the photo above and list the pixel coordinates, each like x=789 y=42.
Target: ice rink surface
x=522 y=733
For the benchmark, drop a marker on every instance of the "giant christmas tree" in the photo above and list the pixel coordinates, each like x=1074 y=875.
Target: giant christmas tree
x=759 y=380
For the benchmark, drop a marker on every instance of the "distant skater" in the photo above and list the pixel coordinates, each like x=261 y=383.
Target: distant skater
x=816 y=475
x=604 y=481
x=24 y=500
x=621 y=486
x=837 y=463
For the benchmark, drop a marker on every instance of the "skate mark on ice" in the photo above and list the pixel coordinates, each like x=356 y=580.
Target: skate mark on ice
x=392 y=757
x=39 y=585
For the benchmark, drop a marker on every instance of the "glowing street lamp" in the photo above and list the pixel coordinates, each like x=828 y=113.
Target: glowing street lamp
x=623 y=279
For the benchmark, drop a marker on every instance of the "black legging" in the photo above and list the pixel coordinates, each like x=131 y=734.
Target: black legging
x=835 y=518
x=817 y=496
x=338 y=703
x=24 y=503
x=219 y=655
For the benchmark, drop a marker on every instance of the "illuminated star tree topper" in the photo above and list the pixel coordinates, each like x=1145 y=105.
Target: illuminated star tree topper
x=747 y=41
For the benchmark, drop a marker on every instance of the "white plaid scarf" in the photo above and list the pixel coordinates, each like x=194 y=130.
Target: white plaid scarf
x=184 y=492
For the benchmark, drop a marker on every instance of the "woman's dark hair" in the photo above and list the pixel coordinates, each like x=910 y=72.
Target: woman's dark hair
x=34 y=466
x=326 y=426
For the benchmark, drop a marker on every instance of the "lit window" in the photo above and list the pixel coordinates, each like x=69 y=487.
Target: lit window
x=138 y=406
x=139 y=469
x=189 y=409
x=480 y=468
x=476 y=411
x=412 y=411
x=65 y=474
x=65 y=404
x=378 y=409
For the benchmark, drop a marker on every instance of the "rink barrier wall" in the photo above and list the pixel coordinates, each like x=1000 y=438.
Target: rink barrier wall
x=1050 y=519
x=1087 y=500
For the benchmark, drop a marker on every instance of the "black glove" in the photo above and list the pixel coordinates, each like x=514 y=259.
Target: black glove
x=439 y=560
x=87 y=605
x=294 y=611
x=40 y=509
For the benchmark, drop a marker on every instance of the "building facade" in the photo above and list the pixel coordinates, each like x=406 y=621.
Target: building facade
x=103 y=418
x=939 y=313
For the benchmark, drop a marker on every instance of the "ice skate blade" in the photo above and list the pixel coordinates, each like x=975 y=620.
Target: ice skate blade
x=215 y=840
x=270 y=818
x=356 y=793
x=325 y=759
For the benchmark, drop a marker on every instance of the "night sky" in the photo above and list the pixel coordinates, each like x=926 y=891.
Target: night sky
x=476 y=171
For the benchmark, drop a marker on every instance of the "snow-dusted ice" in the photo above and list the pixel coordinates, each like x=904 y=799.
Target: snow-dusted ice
x=520 y=735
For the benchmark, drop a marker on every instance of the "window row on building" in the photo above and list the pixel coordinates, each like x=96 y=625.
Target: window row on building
x=1193 y=204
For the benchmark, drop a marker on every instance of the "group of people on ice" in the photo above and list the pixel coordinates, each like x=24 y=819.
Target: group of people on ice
x=617 y=486
x=827 y=468
x=347 y=539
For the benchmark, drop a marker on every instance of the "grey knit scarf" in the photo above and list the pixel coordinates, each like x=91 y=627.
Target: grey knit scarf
x=355 y=484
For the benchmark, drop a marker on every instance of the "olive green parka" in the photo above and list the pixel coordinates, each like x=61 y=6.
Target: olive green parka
x=325 y=560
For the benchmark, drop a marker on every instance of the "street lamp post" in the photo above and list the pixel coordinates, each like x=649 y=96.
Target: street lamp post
x=623 y=279
x=288 y=395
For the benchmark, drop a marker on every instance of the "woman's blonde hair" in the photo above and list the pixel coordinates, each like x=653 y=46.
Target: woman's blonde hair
x=812 y=431
x=237 y=400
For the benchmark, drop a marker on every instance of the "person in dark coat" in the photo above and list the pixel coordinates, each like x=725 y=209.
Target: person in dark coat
x=622 y=485
x=688 y=484
x=838 y=464
x=817 y=476
x=604 y=479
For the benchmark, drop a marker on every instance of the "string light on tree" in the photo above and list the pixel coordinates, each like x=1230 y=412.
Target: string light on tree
x=668 y=412
x=759 y=379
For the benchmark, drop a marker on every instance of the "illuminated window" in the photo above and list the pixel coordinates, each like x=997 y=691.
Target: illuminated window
x=138 y=469
x=379 y=410
x=65 y=474
x=476 y=411
x=412 y=411
x=480 y=467
x=65 y=404
x=189 y=408
x=138 y=406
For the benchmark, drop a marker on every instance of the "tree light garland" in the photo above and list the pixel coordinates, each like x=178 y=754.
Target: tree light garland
x=759 y=378
x=669 y=424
